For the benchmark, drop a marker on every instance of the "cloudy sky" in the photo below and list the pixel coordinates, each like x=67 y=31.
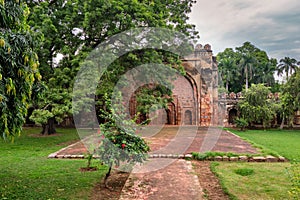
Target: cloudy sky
x=271 y=25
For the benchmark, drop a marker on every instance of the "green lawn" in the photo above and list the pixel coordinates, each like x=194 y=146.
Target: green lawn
x=284 y=142
x=269 y=180
x=26 y=173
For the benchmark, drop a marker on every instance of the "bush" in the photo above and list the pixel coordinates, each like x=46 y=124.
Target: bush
x=241 y=123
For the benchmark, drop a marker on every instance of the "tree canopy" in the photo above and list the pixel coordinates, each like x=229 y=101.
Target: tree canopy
x=246 y=64
x=18 y=67
x=257 y=107
x=74 y=28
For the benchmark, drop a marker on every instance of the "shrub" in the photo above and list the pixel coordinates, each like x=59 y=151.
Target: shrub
x=241 y=123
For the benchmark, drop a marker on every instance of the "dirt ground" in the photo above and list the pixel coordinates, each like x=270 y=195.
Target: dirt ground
x=116 y=183
x=209 y=183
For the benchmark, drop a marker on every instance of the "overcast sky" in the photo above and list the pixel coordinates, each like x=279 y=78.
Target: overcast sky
x=271 y=25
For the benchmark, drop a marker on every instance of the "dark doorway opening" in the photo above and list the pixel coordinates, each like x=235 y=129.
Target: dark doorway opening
x=232 y=116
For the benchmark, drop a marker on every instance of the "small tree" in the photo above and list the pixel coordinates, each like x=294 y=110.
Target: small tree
x=120 y=142
x=257 y=107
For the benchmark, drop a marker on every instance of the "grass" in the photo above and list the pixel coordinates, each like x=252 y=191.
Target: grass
x=284 y=142
x=262 y=180
x=259 y=181
x=26 y=173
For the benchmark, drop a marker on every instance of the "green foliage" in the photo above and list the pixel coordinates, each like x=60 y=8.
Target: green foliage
x=246 y=64
x=211 y=155
x=241 y=123
x=244 y=171
x=41 y=116
x=294 y=174
x=287 y=65
x=120 y=142
x=74 y=28
x=18 y=67
x=257 y=107
x=290 y=98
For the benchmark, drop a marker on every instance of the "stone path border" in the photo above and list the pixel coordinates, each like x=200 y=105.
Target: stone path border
x=77 y=150
x=268 y=158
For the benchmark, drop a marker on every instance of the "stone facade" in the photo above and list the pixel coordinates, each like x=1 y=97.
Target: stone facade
x=195 y=95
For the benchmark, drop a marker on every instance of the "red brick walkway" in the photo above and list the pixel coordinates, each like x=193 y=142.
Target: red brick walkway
x=190 y=139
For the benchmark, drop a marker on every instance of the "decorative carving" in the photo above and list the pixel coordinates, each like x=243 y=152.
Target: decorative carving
x=198 y=47
x=207 y=47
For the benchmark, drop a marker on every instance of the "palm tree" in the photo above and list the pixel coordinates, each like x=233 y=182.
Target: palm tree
x=227 y=70
x=266 y=74
x=247 y=62
x=287 y=65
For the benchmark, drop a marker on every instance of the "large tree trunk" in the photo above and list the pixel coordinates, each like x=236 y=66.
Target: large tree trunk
x=49 y=127
x=282 y=123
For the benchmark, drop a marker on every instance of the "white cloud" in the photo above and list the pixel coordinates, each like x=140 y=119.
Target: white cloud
x=272 y=25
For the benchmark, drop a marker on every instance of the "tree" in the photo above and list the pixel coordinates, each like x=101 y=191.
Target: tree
x=290 y=99
x=248 y=64
x=287 y=65
x=74 y=28
x=54 y=104
x=226 y=69
x=119 y=143
x=257 y=107
x=18 y=67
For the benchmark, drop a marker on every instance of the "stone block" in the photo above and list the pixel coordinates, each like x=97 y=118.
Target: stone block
x=189 y=156
x=80 y=156
x=234 y=159
x=59 y=156
x=53 y=155
x=225 y=158
x=281 y=159
x=243 y=158
x=181 y=156
x=218 y=158
x=259 y=159
x=271 y=159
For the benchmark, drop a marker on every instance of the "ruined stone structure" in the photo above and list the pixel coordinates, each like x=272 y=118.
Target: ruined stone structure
x=195 y=95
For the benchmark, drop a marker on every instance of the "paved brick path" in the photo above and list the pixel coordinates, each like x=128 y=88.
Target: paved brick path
x=175 y=181
x=189 y=139
x=171 y=179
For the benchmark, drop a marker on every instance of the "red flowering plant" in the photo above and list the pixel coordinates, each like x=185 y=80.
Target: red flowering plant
x=120 y=143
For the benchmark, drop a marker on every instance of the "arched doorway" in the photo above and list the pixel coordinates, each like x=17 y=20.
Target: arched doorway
x=171 y=114
x=232 y=116
x=188 y=117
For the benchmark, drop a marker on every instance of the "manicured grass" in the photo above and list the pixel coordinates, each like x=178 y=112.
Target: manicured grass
x=284 y=142
x=266 y=180
x=26 y=173
x=262 y=180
